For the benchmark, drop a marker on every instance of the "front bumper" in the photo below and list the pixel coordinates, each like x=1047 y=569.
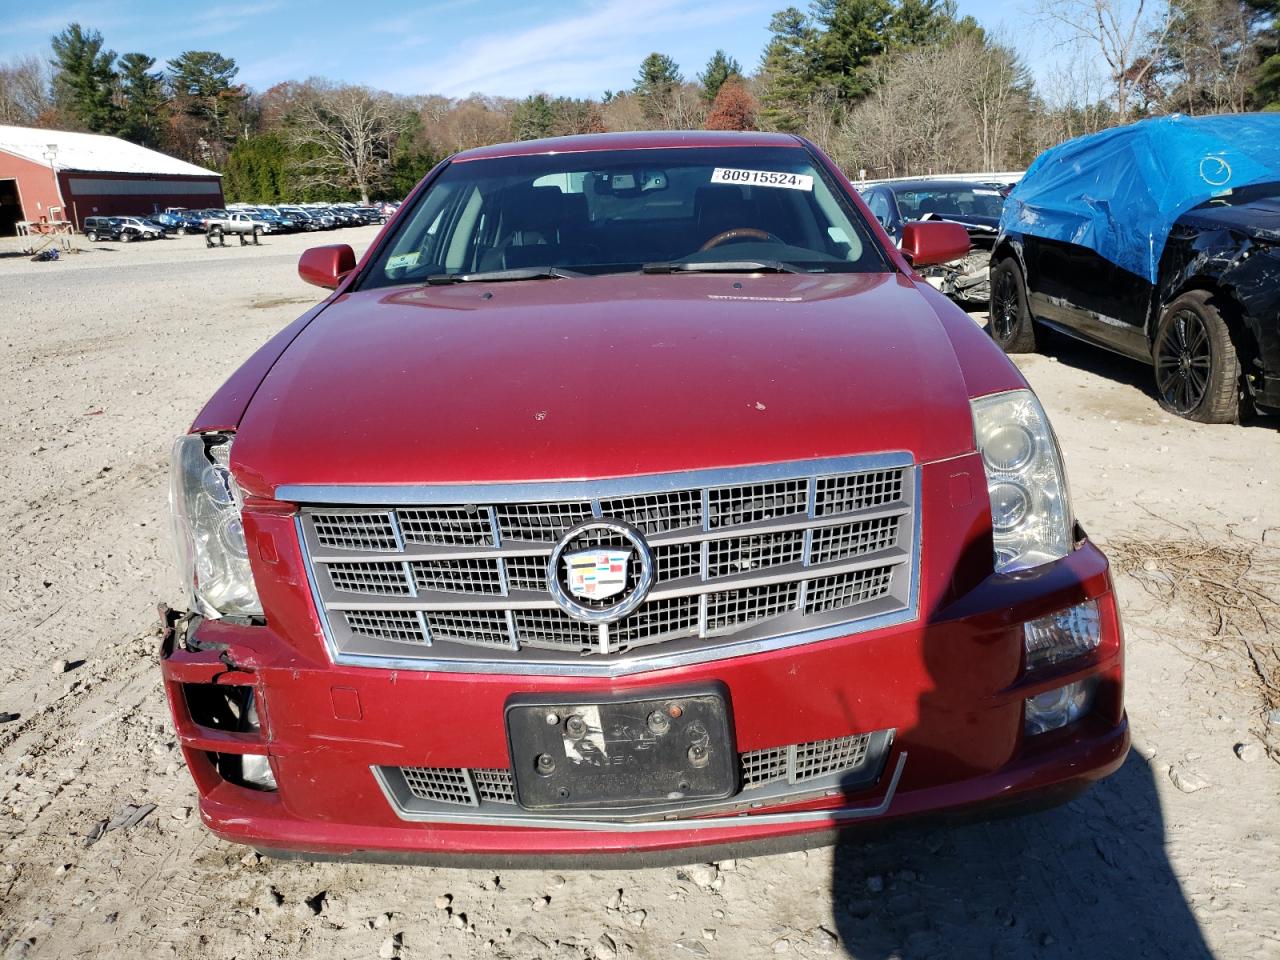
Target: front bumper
x=950 y=685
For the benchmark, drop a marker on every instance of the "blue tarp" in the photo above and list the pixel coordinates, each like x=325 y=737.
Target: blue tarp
x=1118 y=192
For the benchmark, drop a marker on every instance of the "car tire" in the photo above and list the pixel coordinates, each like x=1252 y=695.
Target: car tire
x=91 y=237
x=1009 y=319
x=1197 y=369
x=181 y=231
x=126 y=238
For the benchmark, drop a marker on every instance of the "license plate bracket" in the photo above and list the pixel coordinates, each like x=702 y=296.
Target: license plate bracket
x=621 y=752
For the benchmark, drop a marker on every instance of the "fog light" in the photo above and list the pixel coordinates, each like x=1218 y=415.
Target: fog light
x=255 y=771
x=252 y=770
x=1056 y=708
x=1063 y=635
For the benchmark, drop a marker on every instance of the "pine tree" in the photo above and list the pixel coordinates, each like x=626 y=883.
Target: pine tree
x=202 y=81
x=853 y=33
x=787 y=71
x=720 y=68
x=533 y=118
x=915 y=23
x=655 y=87
x=144 y=100
x=83 y=80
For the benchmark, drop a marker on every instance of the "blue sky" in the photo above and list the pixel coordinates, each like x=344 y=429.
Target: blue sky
x=453 y=47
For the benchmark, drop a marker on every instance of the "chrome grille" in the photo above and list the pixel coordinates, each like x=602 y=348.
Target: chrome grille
x=779 y=551
x=857 y=491
x=846 y=589
x=458 y=576
x=852 y=539
x=735 y=506
x=349 y=530
x=540 y=522
x=483 y=628
x=447 y=526
x=370 y=578
x=395 y=626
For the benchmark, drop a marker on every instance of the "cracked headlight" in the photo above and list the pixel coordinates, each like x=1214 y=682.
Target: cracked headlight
x=1030 y=508
x=205 y=503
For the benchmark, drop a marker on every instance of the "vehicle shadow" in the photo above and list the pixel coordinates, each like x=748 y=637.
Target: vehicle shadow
x=1088 y=878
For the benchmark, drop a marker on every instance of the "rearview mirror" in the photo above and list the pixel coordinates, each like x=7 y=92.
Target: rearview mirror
x=929 y=242
x=327 y=266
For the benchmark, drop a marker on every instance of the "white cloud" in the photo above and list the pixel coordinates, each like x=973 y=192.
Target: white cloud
x=573 y=55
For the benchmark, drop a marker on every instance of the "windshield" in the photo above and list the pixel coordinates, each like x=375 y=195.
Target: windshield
x=974 y=201
x=625 y=210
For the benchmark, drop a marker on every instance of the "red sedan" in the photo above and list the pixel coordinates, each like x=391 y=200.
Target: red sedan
x=633 y=495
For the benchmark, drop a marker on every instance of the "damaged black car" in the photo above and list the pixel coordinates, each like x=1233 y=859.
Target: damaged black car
x=975 y=205
x=1159 y=241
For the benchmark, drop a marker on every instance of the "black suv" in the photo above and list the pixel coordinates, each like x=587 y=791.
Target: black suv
x=1204 y=311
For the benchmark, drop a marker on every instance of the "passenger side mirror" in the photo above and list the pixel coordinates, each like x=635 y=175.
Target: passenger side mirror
x=929 y=242
x=327 y=266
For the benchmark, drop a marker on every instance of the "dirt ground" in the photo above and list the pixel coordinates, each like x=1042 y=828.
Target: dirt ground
x=107 y=356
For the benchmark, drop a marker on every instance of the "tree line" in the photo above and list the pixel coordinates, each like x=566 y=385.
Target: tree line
x=887 y=87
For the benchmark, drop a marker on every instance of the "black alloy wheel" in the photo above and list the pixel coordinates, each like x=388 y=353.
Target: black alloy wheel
x=1196 y=368
x=1009 y=320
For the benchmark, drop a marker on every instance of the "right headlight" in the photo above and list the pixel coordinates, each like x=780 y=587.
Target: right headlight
x=212 y=555
x=1030 y=507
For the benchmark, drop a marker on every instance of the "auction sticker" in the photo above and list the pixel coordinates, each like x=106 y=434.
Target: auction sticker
x=762 y=178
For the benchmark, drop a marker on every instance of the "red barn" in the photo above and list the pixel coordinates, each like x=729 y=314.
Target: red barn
x=56 y=175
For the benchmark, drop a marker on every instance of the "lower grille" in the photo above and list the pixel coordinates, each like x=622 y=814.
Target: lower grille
x=798 y=764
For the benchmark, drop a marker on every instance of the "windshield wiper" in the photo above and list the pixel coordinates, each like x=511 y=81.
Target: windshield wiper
x=720 y=266
x=498 y=276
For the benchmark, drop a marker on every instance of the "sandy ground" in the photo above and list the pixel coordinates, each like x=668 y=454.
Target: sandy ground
x=107 y=355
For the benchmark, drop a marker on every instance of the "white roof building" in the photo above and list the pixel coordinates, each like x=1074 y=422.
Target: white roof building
x=56 y=177
x=92 y=152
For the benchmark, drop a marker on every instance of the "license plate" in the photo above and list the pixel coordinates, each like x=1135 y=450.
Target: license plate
x=621 y=752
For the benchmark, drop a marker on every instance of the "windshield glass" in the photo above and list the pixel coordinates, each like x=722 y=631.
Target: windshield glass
x=974 y=201
x=619 y=210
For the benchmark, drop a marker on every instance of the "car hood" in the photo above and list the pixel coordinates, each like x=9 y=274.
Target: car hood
x=1258 y=218
x=604 y=377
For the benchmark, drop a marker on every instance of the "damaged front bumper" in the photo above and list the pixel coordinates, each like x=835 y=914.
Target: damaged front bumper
x=408 y=765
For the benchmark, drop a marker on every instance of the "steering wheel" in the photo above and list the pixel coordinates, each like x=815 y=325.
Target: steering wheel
x=738 y=233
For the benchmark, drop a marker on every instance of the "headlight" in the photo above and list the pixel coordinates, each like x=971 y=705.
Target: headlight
x=1030 y=508
x=1063 y=636
x=205 y=503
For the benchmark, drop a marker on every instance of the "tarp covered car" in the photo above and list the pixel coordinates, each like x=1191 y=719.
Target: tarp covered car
x=1160 y=240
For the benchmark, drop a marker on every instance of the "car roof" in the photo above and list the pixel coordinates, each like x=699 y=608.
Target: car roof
x=638 y=140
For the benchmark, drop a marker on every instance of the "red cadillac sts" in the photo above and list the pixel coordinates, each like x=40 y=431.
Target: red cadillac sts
x=631 y=496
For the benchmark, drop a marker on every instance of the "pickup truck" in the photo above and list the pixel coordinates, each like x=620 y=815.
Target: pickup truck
x=245 y=225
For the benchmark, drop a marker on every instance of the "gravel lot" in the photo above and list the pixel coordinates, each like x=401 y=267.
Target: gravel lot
x=106 y=357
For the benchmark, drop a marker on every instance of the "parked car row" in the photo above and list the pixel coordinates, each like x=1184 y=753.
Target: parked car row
x=264 y=219
x=124 y=229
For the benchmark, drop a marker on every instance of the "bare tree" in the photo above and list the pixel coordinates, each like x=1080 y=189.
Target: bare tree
x=937 y=108
x=1125 y=33
x=24 y=91
x=345 y=135
x=997 y=95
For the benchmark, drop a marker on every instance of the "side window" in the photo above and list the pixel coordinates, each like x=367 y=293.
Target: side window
x=879 y=204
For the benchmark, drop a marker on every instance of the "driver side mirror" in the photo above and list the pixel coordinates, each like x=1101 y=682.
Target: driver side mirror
x=929 y=242
x=327 y=266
